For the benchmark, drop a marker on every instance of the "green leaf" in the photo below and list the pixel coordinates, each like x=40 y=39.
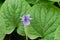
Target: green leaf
x=45 y=20
x=2 y=36
x=20 y=29
x=49 y=37
x=2 y=29
x=32 y=1
x=57 y=33
x=10 y=14
x=36 y=1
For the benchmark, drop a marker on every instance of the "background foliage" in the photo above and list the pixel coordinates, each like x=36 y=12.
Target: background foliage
x=45 y=24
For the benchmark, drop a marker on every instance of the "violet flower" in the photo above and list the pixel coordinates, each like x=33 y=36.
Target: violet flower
x=26 y=19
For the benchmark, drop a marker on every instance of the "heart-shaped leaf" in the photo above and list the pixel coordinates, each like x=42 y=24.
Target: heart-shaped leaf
x=10 y=14
x=45 y=20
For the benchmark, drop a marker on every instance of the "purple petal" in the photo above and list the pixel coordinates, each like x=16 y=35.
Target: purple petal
x=26 y=19
x=26 y=23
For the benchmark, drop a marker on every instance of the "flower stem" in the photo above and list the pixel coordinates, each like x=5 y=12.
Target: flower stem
x=25 y=32
x=26 y=37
